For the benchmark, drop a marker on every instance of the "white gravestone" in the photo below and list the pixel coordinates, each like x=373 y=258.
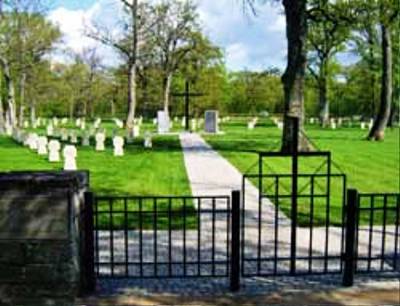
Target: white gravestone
x=148 y=144
x=211 y=121
x=97 y=123
x=73 y=138
x=279 y=124
x=251 y=125
x=118 y=143
x=183 y=123
x=42 y=145
x=100 y=138
x=33 y=138
x=155 y=121
x=64 y=135
x=86 y=140
x=362 y=124
x=54 y=151
x=333 y=124
x=136 y=130
x=193 y=124
x=163 y=122
x=50 y=130
x=83 y=125
x=70 y=154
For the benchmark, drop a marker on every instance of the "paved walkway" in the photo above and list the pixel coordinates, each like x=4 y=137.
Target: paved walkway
x=211 y=174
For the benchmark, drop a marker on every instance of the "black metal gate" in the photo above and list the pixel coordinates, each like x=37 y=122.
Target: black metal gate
x=293 y=223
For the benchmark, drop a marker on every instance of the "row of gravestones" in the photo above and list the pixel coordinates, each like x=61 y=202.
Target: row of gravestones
x=345 y=121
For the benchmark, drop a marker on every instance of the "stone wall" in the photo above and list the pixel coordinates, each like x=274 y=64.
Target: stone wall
x=39 y=241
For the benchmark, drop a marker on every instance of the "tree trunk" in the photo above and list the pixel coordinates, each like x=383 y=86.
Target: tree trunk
x=32 y=111
x=378 y=129
x=22 y=98
x=293 y=78
x=323 y=94
x=131 y=96
x=167 y=91
x=2 y=119
x=10 y=94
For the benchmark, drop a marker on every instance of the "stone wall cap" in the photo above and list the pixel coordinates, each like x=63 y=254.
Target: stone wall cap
x=44 y=179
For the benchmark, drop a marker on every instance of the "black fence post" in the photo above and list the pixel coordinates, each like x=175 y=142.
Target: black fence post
x=87 y=266
x=350 y=249
x=235 y=242
x=293 y=236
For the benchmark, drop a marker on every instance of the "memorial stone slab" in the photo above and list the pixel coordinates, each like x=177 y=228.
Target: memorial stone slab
x=54 y=151
x=211 y=121
x=70 y=154
x=163 y=122
x=118 y=143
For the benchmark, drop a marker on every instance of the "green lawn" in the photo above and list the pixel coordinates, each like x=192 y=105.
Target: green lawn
x=369 y=166
x=159 y=171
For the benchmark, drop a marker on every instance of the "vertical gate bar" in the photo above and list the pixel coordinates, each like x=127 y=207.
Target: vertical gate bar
x=126 y=237
x=276 y=225
x=184 y=237
x=344 y=187
x=396 y=236
x=110 y=204
x=371 y=224
x=243 y=227
x=228 y=227
x=169 y=237
x=141 y=236
x=89 y=267
x=384 y=231
x=235 y=242
x=97 y=236
x=328 y=211
x=351 y=228
x=199 y=237
x=310 y=250
x=293 y=236
x=155 y=226
x=213 y=239
x=260 y=188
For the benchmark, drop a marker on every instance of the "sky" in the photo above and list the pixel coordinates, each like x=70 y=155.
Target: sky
x=249 y=42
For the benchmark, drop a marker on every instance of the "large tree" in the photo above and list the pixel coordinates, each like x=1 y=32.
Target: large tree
x=133 y=33
x=174 y=38
x=388 y=17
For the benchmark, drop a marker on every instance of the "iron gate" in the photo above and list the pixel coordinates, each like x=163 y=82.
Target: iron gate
x=293 y=224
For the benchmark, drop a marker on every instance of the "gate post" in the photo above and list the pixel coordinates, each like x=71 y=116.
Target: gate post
x=235 y=242
x=350 y=249
x=87 y=264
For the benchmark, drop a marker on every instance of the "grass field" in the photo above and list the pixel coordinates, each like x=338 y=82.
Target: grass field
x=159 y=171
x=371 y=167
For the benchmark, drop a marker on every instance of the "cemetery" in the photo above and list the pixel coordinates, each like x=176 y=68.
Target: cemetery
x=173 y=174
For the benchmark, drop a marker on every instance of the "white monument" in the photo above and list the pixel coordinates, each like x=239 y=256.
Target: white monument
x=64 y=135
x=70 y=154
x=118 y=143
x=50 y=130
x=148 y=144
x=54 y=151
x=32 y=141
x=73 y=137
x=100 y=138
x=163 y=122
x=42 y=145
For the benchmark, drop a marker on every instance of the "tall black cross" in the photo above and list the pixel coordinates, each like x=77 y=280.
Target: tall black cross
x=187 y=94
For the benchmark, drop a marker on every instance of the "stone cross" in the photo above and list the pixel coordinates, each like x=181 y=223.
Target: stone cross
x=54 y=151
x=100 y=138
x=70 y=154
x=118 y=143
x=42 y=145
